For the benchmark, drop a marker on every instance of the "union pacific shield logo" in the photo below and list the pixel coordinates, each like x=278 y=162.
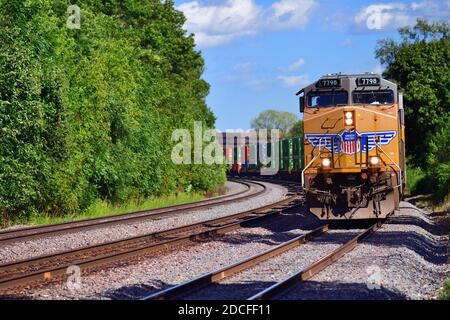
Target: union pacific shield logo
x=350 y=142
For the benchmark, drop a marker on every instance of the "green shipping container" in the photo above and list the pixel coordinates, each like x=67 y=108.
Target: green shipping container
x=297 y=154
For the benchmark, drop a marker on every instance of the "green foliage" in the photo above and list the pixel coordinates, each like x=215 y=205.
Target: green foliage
x=414 y=179
x=420 y=65
x=286 y=122
x=88 y=114
x=296 y=131
x=446 y=291
x=101 y=208
x=438 y=161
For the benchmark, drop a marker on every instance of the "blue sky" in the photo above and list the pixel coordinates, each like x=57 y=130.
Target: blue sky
x=258 y=53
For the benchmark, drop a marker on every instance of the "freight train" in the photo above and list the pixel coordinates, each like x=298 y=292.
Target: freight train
x=351 y=158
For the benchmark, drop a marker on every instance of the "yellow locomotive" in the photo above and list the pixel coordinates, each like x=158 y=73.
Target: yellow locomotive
x=354 y=146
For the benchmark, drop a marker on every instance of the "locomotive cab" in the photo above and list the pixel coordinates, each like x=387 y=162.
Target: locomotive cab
x=353 y=146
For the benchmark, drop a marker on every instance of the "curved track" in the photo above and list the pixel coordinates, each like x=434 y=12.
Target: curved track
x=88 y=224
x=44 y=268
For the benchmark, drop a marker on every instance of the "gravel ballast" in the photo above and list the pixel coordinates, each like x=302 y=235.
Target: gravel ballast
x=251 y=281
x=405 y=259
x=48 y=245
x=154 y=273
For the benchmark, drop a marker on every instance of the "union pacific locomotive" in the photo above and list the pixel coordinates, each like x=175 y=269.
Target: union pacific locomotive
x=351 y=161
x=354 y=146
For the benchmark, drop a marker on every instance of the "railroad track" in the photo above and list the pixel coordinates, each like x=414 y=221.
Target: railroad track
x=54 y=267
x=269 y=179
x=7 y=237
x=183 y=290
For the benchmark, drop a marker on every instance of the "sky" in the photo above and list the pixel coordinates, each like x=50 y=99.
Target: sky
x=259 y=53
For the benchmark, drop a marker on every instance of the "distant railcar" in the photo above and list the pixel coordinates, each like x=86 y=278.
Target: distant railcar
x=247 y=161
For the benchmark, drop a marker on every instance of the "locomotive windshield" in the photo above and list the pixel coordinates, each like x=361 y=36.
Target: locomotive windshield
x=373 y=97
x=327 y=99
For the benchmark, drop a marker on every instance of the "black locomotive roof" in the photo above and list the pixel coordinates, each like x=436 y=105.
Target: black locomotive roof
x=354 y=75
x=350 y=82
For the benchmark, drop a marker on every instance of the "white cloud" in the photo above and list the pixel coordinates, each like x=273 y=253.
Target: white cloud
x=286 y=14
x=208 y=40
x=384 y=16
x=243 y=66
x=222 y=22
x=219 y=24
x=393 y=15
x=337 y=21
x=420 y=5
x=296 y=65
x=250 y=80
x=292 y=81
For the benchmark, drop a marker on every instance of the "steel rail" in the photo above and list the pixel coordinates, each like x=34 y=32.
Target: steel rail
x=314 y=268
x=50 y=266
x=218 y=275
x=99 y=222
x=270 y=179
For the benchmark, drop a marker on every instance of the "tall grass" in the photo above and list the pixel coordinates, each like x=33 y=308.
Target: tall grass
x=103 y=208
x=432 y=182
x=415 y=178
x=446 y=291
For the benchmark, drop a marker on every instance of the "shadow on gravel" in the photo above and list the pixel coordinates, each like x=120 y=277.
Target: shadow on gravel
x=226 y=291
x=137 y=291
x=315 y=290
x=440 y=214
x=308 y=290
x=285 y=227
x=282 y=228
x=14 y=297
x=434 y=229
x=429 y=249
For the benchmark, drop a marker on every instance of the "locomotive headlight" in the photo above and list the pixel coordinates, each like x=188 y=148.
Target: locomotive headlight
x=374 y=161
x=326 y=162
x=348 y=118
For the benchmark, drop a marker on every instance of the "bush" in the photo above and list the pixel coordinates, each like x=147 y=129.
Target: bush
x=414 y=180
x=434 y=176
x=438 y=161
x=446 y=292
x=88 y=114
x=419 y=65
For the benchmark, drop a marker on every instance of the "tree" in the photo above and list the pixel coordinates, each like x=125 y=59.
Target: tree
x=272 y=119
x=297 y=130
x=88 y=114
x=420 y=64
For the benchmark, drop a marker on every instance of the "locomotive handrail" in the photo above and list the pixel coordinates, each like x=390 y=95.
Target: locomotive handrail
x=311 y=162
x=400 y=186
